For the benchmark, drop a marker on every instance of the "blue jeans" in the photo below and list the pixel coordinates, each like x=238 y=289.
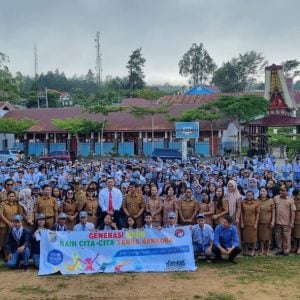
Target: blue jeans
x=36 y=260
x=17 y=257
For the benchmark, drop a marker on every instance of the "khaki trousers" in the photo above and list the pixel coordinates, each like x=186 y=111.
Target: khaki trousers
x=283 y=237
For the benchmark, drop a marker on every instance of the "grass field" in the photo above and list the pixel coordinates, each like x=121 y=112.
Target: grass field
x=251 y=278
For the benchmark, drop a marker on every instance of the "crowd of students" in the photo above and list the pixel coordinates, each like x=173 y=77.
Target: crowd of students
x=229 y=208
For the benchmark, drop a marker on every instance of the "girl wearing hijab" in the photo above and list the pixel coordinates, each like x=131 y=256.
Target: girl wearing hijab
x=234 y=202
x=26 y=203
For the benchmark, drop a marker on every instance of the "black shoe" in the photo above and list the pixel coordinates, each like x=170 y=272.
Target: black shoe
x=285 y=254
x=232 y=261
x=279 y=253
x=25 y=268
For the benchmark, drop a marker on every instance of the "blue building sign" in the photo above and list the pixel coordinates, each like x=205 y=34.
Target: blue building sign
x=187 y=130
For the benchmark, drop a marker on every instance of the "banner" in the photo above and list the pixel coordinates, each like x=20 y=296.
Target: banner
x=149 y=250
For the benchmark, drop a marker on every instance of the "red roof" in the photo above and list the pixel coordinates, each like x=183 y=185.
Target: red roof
x=118 y=121
x=276 y=120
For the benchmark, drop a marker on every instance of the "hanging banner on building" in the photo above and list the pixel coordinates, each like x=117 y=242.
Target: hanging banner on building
x=187 y=130
x=149 y=250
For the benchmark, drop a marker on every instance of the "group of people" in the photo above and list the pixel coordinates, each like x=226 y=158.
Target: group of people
x=229 y=208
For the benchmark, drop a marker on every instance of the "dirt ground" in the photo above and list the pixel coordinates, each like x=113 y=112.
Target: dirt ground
x=209 y=282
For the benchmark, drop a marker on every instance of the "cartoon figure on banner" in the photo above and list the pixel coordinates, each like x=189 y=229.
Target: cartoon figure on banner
x=76 y=266
x=89 y=262
x=117 y=265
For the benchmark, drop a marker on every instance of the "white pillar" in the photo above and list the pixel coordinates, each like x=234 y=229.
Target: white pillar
x=25 y=137
x=115 y=135
x=171 y=136
x=122 y=137
x=140 y=134
x=54 y=138
x=166 y=134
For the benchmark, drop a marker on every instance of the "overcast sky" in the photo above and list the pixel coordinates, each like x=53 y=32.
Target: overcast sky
x=64 y=32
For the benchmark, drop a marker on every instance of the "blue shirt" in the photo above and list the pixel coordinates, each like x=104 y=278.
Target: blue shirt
x=202 y=235
x=86 y=227
x=227 y=237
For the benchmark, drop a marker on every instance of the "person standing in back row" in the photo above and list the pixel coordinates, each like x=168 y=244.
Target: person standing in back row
x=284 y=220
x=110 y=200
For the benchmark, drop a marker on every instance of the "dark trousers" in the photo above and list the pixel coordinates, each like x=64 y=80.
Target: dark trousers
x=232 y=255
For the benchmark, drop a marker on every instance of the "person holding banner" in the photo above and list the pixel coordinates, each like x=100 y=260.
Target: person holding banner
x=110 y=200
x=172 y=220
x=108 y=223
x=36 y=238
x=83 y=225
x=61 y=223
x=17 y=244
x=226 y=240
x=203 y=237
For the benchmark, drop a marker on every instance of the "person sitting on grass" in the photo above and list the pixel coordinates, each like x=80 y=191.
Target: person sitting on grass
x=226 y=240
x=203 y=237
x=17 y=244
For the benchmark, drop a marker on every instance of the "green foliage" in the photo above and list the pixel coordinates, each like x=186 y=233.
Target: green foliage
x=141 y=112
x=11 y=125
x=105 y=110
x=244 y=108
x=135 y=70
x=196 y=64
x=239 y=74
x=290 y=66
x=78 y=125
x=284 y=137
x=149 y=94
x=10 y=87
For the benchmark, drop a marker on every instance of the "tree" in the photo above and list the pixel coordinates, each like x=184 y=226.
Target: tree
x=196 y=64
x=239 y=74
x=242 y=109
x=135 y=70
x=9 y=90
x=14 y=126
x=105 y=110
x=141 y=112
x=149 y=94
x=77 y=125
x=208 y=111
x=289 y=68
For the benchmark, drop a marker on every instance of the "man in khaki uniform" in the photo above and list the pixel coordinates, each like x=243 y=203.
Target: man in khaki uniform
x=79 y=194
x=47 y=205
x=187 y=209
x=284 y=221
x=134 y=205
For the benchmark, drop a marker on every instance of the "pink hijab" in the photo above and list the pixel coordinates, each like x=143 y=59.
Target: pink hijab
x=232 y=197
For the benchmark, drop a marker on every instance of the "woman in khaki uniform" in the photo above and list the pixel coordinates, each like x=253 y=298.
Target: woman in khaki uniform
x=8 y=209
x=187 y=208
x=249 y=220
x=91 y=207
x=154 y=206
x=70 y=208
x=207 y=208
x=220 y=205
x=266 y=221
x=296 y=194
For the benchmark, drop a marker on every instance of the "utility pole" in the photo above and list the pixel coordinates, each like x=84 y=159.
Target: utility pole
x=98 y=61
x=36 y=74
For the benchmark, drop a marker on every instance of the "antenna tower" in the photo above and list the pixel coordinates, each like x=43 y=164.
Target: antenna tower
x=35 y=63
x=98 y=61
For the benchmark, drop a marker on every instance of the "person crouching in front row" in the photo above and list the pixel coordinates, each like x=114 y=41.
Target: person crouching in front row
x=226 y=240
x=17 y=244
x=203 y=237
